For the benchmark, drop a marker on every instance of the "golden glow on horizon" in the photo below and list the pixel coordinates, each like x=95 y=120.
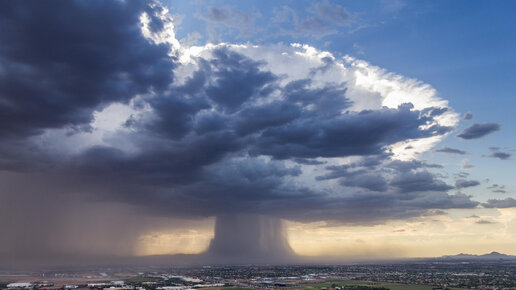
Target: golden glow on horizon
x=475 y=231
x=461 y=231
x=160 y=243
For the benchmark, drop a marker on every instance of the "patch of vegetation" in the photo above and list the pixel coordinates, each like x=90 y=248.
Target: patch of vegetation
x=362 y=285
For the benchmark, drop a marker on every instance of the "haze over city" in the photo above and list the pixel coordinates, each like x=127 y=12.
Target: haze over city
x=256 y=131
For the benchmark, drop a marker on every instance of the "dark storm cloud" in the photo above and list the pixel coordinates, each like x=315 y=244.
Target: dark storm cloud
x=451 y=150
x=369 y=208
x=61 y=61
x=419 y=181
x=272 y=197
x=305 y=161
x=208 y=171
x=468 y=116
x=366 y=181
x=158 y=166
x=396 y=176
x=463 y=183
x=237 y=80
x=500 y=203
x=338 y=171
x=175 y=115
x=205 y=128
x=362 y=133
x=229 y=138
x=252 y=120
x=476 y=131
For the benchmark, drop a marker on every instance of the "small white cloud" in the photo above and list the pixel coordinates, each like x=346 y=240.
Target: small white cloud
x=465 y=165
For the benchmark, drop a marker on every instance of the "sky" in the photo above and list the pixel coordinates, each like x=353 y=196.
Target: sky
x=370 y=129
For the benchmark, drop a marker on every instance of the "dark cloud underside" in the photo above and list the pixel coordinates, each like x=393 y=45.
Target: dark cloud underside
x=500 y=203
x=61 y=61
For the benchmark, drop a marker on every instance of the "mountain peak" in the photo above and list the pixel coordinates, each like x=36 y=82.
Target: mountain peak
x=492 y=255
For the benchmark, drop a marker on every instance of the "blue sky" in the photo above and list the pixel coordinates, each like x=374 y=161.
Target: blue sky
x=464 y=49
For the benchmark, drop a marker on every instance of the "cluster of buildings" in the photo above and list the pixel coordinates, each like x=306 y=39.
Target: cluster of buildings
x=484 y=275
x=51 y=285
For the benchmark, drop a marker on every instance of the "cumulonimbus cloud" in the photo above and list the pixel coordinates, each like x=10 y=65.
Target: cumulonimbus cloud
x=125 y=114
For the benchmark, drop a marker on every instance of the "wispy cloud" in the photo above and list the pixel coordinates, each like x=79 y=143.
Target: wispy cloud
x=497 y=153
x=484 y=222
x=500 y=203
x=465 y=165
x=463 y=183
x=222 y=20
x=451 y=150
x=477 y=131
x=324 y=19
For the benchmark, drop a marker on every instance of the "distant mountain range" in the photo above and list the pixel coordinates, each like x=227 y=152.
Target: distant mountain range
x=490 y=256
x=206 y=259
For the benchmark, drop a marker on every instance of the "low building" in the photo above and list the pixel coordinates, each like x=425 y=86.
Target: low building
x=20 y=285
